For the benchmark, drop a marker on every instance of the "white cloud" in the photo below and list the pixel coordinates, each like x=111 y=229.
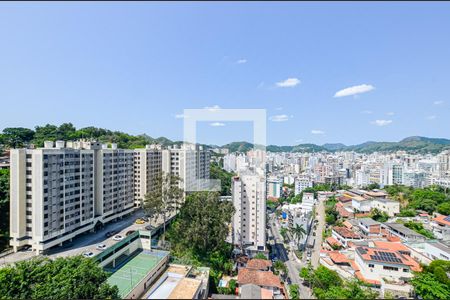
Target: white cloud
x=367 y=112
x=439 y=102
x=181 y=116
x=279 y=118
x=217 y=124
x=432 y=117
x=382 y=122
x=212 y=108
x=241 y=61
x=354 y=90
x=299 y=140
x=290 y=82
x=317 y=131
x=391 y=113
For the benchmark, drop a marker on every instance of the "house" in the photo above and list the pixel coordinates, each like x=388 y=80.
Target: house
x=390 y=207
x=441 y=227
x=263 y=279
x=378 y=263
x=259 y=264
x=344 y=235
x=404 y=233
x=432 y=249
x=369 y=227
x=252 y=291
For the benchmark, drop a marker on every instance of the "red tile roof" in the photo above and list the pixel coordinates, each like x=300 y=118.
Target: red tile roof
x=441 y=220
x=259 y=264
x=332 y=241
x=338 y=257
x=346 y=233
x=259 y=278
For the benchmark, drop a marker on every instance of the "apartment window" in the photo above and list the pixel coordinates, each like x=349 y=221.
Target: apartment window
x=406 y=270
x=390 y=268
x=371 y=266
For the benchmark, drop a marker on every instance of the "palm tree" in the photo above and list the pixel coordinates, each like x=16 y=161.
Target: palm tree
x=164 y=197
x=297 y=232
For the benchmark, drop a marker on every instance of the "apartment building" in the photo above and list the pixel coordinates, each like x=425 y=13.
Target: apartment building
x=190 y=163
x=147 y=167
x=302 y=183
x=274 y=187
x=249 y=220
x=62 y=190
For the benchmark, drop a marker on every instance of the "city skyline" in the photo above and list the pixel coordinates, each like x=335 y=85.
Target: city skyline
x=337 y=73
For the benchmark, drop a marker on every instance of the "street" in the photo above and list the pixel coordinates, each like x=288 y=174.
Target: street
x=89 y=240
x=315 y=252
x=292 y=264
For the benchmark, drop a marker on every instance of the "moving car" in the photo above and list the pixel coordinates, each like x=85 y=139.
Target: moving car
x=139 y=221
x=101 y=247
x=118 y=237
x=88 y=254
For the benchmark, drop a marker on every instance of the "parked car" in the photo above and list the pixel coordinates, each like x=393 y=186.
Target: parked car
x=145 y=219
x=139 y=221
x=129 y=232
x=110 y=233
x=149 y=227
x=118 y=237
x=27 y=248
x=88 y=254
x=101 y=247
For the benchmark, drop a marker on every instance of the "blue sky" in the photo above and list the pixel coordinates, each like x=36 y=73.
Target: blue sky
x=134 y=67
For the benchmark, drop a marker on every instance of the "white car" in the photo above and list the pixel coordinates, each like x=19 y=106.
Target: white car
x=101 y=247
x=118 y=237
x=88 y=254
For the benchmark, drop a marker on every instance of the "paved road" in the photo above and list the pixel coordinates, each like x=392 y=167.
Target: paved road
x=293 y=266
x=88 y=241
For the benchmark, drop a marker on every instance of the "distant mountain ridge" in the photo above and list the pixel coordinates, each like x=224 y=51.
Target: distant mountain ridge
x=415 y=144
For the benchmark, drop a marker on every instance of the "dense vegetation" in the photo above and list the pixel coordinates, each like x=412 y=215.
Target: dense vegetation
x=4 y=208
x=433 y=282
x=418 y=227
x=63 y=278
x=327 y=284
x=430 y=199
x=19 y=136
x=216 y=172
x=198 y=234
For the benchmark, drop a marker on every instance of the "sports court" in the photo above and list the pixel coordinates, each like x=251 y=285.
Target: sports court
x=127 y=275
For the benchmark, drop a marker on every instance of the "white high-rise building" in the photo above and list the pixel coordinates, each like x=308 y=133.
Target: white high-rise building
x=147 y=167
x=249 y=220
x=302 y=183
x=190 y=163
x=59 y=191
x=274 y=187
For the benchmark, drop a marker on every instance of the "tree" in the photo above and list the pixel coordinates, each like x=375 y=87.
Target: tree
x=428 y=287
x=283 y=233
x=16 y=137
x=378 y=215
x=279 y=267
x=297 y=232
x=216 y=172
x=260 y=256
x=202 y=225
x=63 y=278
x=164 y=198
x=294 y=291
x=444 y=208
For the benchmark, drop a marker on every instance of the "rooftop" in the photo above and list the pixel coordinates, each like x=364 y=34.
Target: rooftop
x=369 y=222
x=403 y=229
x=132 y=271
x=443 y=220
x=259 y=264
x=387 y=256
x=260 y=278
x=185 y=289
x=346 y=233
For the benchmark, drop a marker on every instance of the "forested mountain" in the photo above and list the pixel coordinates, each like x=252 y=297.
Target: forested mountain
x=19 y=137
